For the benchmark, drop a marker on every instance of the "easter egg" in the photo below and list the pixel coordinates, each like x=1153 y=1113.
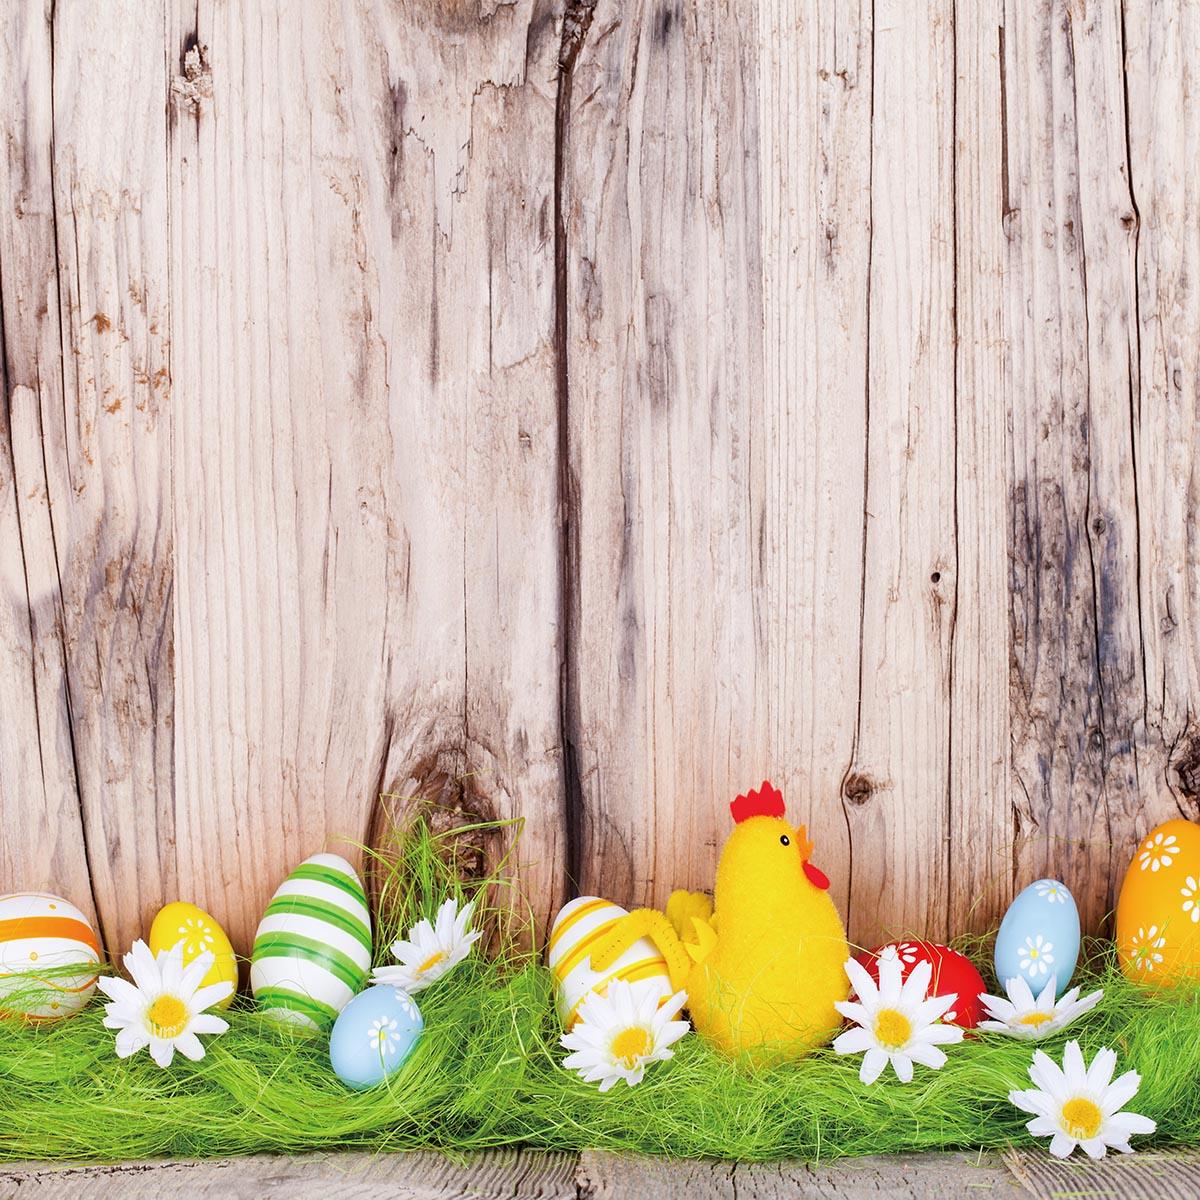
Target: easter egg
x=41 y=938
x=1039 y=937
x=581 y=925
x=951 y=972
x=373 y=1035
x=1158 y=911
x=312 y=951
x=181 y=922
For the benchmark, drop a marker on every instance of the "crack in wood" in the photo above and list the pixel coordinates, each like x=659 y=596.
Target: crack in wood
x=576 y=22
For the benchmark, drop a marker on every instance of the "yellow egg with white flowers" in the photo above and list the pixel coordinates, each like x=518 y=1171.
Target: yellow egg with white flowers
x=184 y=922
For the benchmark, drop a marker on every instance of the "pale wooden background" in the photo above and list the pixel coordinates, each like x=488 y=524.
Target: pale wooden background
x=585 y=418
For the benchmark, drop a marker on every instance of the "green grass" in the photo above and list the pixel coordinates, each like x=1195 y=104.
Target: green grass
x=486 y=1073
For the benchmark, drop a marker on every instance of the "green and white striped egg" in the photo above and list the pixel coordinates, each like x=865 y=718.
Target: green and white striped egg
x=312 y=951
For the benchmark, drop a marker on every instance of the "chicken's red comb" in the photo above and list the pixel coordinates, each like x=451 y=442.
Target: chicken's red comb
x=767 y=801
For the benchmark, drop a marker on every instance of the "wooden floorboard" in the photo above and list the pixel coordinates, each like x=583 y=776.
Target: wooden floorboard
x=1158 y=1175
x=521 y=1174
x=604 y=1176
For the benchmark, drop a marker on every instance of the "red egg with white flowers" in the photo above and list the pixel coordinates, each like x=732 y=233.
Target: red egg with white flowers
x=952 y=972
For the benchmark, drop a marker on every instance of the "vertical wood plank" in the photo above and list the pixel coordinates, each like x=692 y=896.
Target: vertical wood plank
x=365 y=448
x=1162 y=84
x=981 y=812
x=1077 y=692
x=44 y=848
x=815 y=147
x=899 y=786
x=108 y=448
x=667 y=452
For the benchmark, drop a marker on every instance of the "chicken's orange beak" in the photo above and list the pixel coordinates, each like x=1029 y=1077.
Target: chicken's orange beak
x=803 y=844
x=814 y=875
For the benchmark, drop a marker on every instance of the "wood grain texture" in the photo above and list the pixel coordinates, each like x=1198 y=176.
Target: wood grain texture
x=667 y=672
x=814 y=119
x=364 y=304
x=580 y=412
x=980 y=750
x=899 y=826
x=516 y=1174
x=527 y=1174
x=39 y=793
x=1079 y=681
x=1162 y=81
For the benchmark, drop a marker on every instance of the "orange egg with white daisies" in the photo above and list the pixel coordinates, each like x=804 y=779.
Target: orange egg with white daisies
x=1158 y=913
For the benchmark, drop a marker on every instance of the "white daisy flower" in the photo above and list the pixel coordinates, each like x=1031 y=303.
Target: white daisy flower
x=1035 y=955
x=1191 y=898
x=164 y=1006
x=620 y=1032
x=1158 y=852
x=1052 y=891
x=431 y=949
x=1076 y=1105
x=896 y=1023
x=1145 y=948
x=1021 y=1016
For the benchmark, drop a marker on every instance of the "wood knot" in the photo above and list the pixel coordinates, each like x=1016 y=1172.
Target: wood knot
x=858 y=787
x=193 y=87
x=1187 y=767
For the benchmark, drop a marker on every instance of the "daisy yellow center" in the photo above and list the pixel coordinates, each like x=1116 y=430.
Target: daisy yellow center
x=167 y=1016
x=1035 y=1019
x=892 y=1028
x=630 y=1044
x=1034 y=952
x=431 y=962
x=1081 y=1118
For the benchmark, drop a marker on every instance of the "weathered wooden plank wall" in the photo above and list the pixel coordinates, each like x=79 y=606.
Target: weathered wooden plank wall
x=582 y=414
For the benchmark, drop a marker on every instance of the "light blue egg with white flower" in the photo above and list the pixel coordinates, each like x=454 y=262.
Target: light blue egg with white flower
x=1039 y=937
x=374 y=1035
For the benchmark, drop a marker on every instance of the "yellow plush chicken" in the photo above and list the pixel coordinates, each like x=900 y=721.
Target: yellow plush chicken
x=763 y=967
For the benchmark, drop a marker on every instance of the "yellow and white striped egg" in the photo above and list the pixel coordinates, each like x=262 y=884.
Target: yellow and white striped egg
x=41 y=938
x=577 y=930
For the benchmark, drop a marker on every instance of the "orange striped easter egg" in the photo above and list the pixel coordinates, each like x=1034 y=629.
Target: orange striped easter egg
x=41 y=938
x=581 y=925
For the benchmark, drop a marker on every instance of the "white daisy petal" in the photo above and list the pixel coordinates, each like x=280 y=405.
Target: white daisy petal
x=852 y=1012
x=190 y=1047
x=130 y=1040
x=998 y=1008
x=873 y=1064
x=1099 y=1074
x=1074 y=1071
x=916 y=986
x=1061 y=1145
x=206 y=997
x=1125 y=1124
x=927 y=1056
x=194 y=973
x=853 y=1041
x=162 y=1051
x=121 y=990
x=862 y=983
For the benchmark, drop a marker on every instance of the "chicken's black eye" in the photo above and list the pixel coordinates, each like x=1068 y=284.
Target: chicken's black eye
x=785 y=840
